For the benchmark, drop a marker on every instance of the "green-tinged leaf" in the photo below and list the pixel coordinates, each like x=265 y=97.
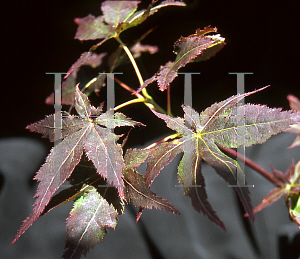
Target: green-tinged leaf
x=117 y=17
x=135 y=157
x=228 y=125
x=82 y=103
x=294 y=208
x=187 y=49
x=116 y=12
x=137 y=191
x=119 y=120
x=87 y=223
x=92 y=28
x=289 y=186
x=69 y=194
x=140 y=16
x=247 y=125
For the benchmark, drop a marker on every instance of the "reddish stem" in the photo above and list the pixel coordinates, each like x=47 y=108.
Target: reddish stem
x=235 y=155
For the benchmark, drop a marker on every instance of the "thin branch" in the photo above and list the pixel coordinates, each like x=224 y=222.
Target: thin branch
x=235 y=155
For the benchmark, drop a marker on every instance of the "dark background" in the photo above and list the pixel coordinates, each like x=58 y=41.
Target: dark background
x=38 y=37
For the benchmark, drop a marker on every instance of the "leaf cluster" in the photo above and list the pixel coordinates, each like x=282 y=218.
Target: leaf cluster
x=100 y=190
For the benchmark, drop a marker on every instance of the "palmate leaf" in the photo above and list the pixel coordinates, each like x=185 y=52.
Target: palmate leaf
x=136 y=189
x=83 y=132
x=187 y=50
x=117 y=17
x=87 y=223
x=224 y=123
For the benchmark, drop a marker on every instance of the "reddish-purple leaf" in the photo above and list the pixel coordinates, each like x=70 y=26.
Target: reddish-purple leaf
x=70 y=124
x=85 y=56
x=58 y=167
x=87 y=223
x=100 y=147
x=273 y=196
x=194 y=186
x=92 y=28
x=116 y=12
x=78 y=133
x=187 y=49
x=135 y=157
x=289 y=187
x=160 y=158
x=223 y=123
x=140 y=16
x=229 y=170
x=137 y=191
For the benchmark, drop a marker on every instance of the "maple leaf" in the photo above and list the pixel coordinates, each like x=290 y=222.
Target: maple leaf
x=117 y=17
x=289 y=186
x=88 y=222
x=136 y=189
x=222 y=123
x=295 y=105
x=91 y=131
x=195 y=47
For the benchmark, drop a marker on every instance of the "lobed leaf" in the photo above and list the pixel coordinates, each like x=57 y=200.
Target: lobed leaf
x=161 y=157
x=58 y=167
x=194 y=186
x=118 y=120
x=137 y=191
x=229 y=170
x=79 y=133
x=249 y=124
x=106 y=155
x=224 y=123
x=187 y=49
x=87 y=223
x=135 y=157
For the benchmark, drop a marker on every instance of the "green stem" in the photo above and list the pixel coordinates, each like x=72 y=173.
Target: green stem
x=148 y=99
x=169 y=112
x=138 y=100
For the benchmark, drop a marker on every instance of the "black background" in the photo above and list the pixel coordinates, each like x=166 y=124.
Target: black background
x=38 y=37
